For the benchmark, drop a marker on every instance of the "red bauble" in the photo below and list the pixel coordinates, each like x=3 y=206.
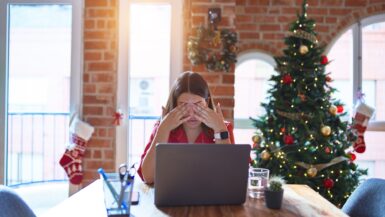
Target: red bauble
x=328 y=183
x=324 y=60
x=352 y=156
x=328 y=79
x=288 y=139
x=283 y=130
x=340 y=109
x=255 y=145
x=327 y=150
x=287 y=79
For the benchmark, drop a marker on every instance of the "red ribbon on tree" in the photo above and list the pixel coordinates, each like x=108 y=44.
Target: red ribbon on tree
x=117 y=117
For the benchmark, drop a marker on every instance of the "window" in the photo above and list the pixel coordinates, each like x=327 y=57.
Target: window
x=365 y=39
x=150 y=59
x=40 y=45
x=252 y=73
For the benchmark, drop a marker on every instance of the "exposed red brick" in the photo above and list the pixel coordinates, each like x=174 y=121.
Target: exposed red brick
x=100 y=66
x=270 y=27
x=355 y=3
x=102 y=77
x=222 y=90
x=95 y=3
x=91 y=100
x=89 y=55
x=89 y=24
x=259 y=2
x=93 y=110
x=228 y=78
x=89 y=88
x=95 y=45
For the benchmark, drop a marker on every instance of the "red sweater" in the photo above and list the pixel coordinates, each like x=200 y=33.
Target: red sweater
x=178 y=135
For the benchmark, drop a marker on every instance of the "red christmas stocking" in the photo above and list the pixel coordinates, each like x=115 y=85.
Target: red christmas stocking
x=361 y=119
x=71 y=161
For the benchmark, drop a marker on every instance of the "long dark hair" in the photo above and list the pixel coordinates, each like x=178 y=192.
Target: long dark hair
x=189 y=82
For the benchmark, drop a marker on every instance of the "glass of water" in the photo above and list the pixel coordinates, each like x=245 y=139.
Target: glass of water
x=258 y=178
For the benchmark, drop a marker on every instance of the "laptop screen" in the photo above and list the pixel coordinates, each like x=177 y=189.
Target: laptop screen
x=201 y=174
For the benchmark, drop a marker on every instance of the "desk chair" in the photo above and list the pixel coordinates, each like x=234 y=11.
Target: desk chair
x=11 y=205
x=368 y=200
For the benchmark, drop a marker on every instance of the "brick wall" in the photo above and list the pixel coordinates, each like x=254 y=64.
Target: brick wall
x=100 y=84
x=221 y=84
x=261 y=25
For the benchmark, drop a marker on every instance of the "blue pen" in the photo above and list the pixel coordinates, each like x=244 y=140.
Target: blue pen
x=110 y=187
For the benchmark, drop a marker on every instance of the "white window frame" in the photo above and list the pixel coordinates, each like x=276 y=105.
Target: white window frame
x=357 y=61
x=76 y=65
x=176 y=64
x=240 y=123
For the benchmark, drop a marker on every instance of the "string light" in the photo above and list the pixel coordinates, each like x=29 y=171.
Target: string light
x=290 y=175
x=306 y=122
x=317 y=188
x=315 y=158
x=316 y=79
x=300 y=25
x=336 y=180
x=332 y=172
x=322 y=175
x=292 y=106
x=295 y=54
x=305 y=174
x=280 y=166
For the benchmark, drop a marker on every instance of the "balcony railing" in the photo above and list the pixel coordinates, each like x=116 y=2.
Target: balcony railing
x=140 y=128
x=36 y=142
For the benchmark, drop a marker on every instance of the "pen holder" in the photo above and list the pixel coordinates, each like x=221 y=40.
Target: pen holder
x=111 y=196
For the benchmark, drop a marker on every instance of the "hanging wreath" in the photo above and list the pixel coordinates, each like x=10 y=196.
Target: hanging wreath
x=214 y=48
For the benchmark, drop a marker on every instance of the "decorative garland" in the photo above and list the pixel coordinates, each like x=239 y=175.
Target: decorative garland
x=320 y=167
x=294 y=116
x=216 y=49
x=304 y=35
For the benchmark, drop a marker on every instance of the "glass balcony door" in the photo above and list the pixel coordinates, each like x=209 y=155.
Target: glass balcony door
x=41 y=78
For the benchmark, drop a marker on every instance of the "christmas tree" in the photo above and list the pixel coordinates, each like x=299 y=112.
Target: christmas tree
x=302 y=137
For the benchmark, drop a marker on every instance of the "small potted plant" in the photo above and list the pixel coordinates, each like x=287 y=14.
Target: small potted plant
x=274 y=192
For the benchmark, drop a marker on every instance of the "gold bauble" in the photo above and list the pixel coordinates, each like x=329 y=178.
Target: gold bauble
x=326 y=130
x=256 y=139
x=189 y=44
x=303 y=49
x=192 y=54
x=265 y=155
x=333 y=109
x=312 y=172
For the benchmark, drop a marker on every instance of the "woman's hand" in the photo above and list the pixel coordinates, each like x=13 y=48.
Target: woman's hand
x=174 y=118
x=213 y=119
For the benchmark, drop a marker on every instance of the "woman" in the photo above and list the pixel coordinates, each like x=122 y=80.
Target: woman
x=189 y=117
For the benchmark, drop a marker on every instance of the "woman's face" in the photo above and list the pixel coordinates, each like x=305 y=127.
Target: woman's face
x=191 y=100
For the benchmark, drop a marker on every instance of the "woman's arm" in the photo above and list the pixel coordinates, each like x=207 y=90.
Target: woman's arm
x=169 y=122
x=148 y=163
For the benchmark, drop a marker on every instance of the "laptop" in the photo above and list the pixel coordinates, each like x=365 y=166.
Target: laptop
x=201 y=174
